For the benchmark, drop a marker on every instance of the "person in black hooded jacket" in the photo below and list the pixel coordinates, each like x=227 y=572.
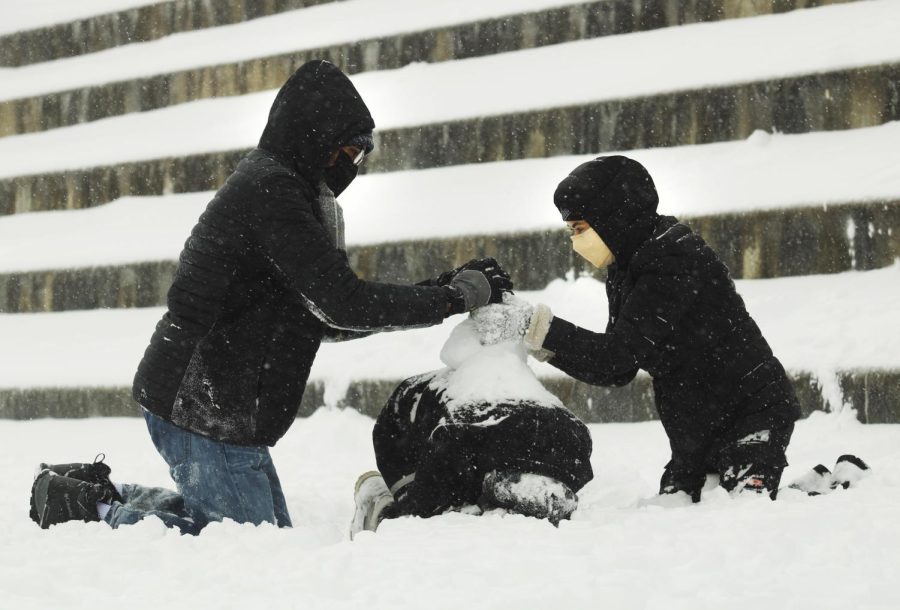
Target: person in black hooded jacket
x=724 y=400
x=262 y=280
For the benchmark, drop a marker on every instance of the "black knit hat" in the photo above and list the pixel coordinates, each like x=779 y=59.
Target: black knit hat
x=615 y=195
x=363 y=141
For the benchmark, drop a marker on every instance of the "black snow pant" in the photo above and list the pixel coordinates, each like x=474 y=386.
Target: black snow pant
x=710 y=436
x=433 y=458
x=755 y=460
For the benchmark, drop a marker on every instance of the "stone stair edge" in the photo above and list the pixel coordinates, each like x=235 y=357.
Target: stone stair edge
x=138 y=24
x=842 y=99
x=548 y=26
x=871 y=392
x=754 y=244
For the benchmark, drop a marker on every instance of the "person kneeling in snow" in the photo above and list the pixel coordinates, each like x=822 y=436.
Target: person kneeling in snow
x=262 y=281
x=479 y=435
x=724 y=399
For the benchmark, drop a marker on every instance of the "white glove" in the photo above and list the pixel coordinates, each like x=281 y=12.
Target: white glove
x=505 y=321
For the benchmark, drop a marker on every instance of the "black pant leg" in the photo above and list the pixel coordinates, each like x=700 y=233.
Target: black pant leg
x=754 y=460
x=428 y=465
x=537 y=439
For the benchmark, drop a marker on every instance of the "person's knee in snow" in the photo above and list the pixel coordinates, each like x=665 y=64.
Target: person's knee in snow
x=754 y=462
x=680 y=478
x=225 y=361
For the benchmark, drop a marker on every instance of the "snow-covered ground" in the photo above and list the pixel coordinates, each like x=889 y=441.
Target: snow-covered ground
x=704 y=55
x=764 y=172
x=19 y=15
x=820 y=324
x=833 y=552
x=829 y=552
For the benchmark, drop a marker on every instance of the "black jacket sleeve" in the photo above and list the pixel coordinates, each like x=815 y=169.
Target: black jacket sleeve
x=634 y=340
x=296 y=245
x=339 y=335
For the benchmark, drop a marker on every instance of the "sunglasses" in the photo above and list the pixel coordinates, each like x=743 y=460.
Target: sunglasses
x=357 y=155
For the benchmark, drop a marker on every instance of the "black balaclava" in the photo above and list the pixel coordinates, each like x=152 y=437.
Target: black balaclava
x=616 y=196
x=317 y=111
x=339 y=176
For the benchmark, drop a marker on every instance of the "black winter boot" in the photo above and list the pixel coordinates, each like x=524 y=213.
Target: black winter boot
x=57 y=499
x=95 y=472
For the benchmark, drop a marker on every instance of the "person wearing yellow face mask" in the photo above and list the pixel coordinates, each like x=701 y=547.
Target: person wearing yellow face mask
x=724 y=400
x=589 y=245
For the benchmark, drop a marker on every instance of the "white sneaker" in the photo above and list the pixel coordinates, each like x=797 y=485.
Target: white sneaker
x=816 y=482
x=849 y=471
x=371 y=496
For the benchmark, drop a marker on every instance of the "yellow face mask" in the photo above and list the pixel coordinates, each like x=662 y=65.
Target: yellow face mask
x=590 y=247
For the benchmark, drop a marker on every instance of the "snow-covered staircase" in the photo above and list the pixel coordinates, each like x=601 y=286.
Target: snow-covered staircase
x=133 y=21
x=372 y=36
x=470 y=147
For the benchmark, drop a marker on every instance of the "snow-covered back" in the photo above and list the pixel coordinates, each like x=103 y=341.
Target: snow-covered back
x=764 y=172
x=830 y=552
x=704 y=55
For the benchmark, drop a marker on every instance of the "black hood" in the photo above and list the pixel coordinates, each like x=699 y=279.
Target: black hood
x=317 y=110
x=616 y=196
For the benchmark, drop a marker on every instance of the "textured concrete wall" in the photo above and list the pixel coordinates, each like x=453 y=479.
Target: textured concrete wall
x=756 y=245
x=831 y=101
x=134 y=285
x=580 y=21
x=140 y=24
x=874 y=395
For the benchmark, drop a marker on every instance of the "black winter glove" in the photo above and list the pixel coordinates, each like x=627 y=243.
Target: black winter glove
x=468 y=290
x=488 y=266
x=471 y=289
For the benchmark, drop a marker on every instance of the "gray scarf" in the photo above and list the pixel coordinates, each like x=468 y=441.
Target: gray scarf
x=332 y=216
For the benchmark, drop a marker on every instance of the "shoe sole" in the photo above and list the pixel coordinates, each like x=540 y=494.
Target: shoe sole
x=358 y=523
x=39 y=491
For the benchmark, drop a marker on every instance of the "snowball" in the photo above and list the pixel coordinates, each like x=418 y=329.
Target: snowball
x=461 y=345
x=487 y=360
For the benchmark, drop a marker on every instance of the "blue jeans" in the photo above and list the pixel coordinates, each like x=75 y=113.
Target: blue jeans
x=215 y=481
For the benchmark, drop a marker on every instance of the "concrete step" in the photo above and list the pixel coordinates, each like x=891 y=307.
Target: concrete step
x=826 y=327
x=837 y=100
x=772 y=205
x=871 y=393
x=760 y=244
x=141 y=78
x=140 y=24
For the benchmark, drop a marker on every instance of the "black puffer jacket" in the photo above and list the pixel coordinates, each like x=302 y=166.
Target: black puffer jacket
x=673 y=312
x=260 y=280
